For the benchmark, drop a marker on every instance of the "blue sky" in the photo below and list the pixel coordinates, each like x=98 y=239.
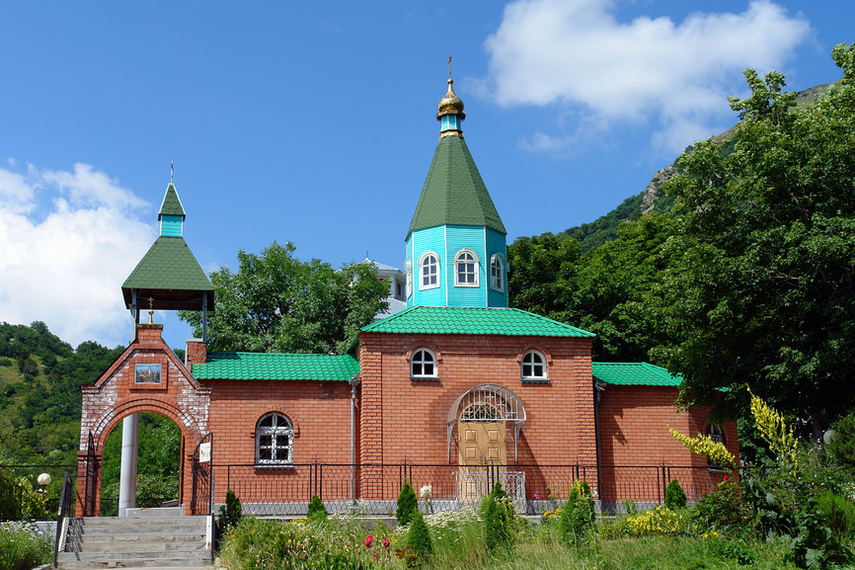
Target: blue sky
x=314 y=122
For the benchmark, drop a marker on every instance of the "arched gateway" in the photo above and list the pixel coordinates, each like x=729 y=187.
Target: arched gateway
x=147 y=377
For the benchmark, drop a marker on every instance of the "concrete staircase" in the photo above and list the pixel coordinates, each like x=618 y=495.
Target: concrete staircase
x=112 y=542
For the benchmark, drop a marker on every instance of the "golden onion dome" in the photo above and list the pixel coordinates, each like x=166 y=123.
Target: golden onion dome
x=451 y=103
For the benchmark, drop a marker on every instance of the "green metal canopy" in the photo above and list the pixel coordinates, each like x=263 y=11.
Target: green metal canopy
x=276 y=366
x=423 y=319
x=633 y=374
x=454 y=193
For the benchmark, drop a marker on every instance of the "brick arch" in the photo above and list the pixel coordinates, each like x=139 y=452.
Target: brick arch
x=108 y=420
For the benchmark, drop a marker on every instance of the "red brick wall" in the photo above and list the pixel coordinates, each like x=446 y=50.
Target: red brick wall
x=634 y=422
x=404 y=420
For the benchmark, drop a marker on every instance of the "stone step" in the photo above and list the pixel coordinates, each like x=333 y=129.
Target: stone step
x=105 y=542
x=75 y=560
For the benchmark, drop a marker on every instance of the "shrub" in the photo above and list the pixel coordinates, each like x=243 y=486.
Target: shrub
x=231 y=512
x=19 y=501
x=839 y=512
x=499 y=519
x=675 y=497
x=842 y=446
x=418 y=536
x=407 y=504
x=317 y=510
x=722 y=507
x=578 y=513
x=659 y=520
x=20 y=549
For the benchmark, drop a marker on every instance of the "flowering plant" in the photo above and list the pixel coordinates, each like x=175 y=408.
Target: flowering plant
x=426 y=493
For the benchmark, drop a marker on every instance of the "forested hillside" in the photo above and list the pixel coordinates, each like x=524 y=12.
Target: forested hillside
x=40 y=397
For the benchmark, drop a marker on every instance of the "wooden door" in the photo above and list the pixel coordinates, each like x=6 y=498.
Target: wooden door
x=479 y=444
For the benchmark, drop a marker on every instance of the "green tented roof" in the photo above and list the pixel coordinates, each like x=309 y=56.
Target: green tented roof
x=170 y=274
x=276 y=366
x=171 y=205
x=454 y=193
x=473 y=320
x=633 y=374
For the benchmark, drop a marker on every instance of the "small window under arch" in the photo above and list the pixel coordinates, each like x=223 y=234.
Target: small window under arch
x=497 y=273
x=533 y=367
x=423 y=365
x=466 y=268
x=429 y=270
x=274 y=440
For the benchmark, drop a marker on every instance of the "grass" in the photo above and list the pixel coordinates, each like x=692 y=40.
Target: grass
x=459 y=545
x=21 y=550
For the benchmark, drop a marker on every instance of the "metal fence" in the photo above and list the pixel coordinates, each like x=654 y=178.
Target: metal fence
x=374 y=489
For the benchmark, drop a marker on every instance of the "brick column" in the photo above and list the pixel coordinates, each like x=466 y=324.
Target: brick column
x=371 y=415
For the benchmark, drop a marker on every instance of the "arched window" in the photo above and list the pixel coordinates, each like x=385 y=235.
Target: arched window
x=429 y=270
x=497 y=273
x=716 y=434
x=274 y=440
x=466 y=268
x=423 y=364
x=533 y=367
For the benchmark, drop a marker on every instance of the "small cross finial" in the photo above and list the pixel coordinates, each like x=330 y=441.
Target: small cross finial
x=171 y=171
x=151 y=310
x=449 y=67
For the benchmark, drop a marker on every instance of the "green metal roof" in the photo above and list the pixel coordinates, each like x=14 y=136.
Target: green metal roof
x=633 y=374
x=473 y=320
x=171 y=205
x=170 y=274
x=454 y=193
x=276 y=366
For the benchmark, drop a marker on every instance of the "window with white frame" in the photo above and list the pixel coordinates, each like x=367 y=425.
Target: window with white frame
x=716 y=434
x=466 y=268
x=274 y=440
x=429 y=274
x=533 y=367
x=423 y=364
x=497 y=273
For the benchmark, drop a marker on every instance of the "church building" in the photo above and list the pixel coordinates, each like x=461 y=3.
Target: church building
x=454 y=390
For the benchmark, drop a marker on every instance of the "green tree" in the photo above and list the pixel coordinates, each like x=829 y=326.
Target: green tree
x=543 y=274
x=277 y=303
x=619 y=290
x=761 y=291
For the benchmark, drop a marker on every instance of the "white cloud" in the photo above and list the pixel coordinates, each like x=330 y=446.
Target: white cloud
x=68 y=241
x=576 y=53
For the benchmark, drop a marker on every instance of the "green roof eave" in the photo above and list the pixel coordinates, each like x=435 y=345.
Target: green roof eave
x=633 y=374
x=454 y=193
x=276 y=366
x=170 y=274
x=473 y=320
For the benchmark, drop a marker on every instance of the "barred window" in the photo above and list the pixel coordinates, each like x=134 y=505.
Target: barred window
x=274 y=440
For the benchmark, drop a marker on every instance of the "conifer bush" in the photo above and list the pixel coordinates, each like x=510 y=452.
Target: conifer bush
x=231 y=512
x=418 y=537
x=578 y=513
x=407 y=504
x=317 y=511
x=499 y=519
x=675 y=497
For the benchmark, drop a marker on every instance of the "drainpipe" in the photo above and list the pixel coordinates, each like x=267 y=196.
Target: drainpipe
x=354 y=382
x=599 y=389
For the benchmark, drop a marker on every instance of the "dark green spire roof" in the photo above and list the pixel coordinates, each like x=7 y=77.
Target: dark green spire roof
x=171 y=205
x=170 y=274
x=454 y=193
